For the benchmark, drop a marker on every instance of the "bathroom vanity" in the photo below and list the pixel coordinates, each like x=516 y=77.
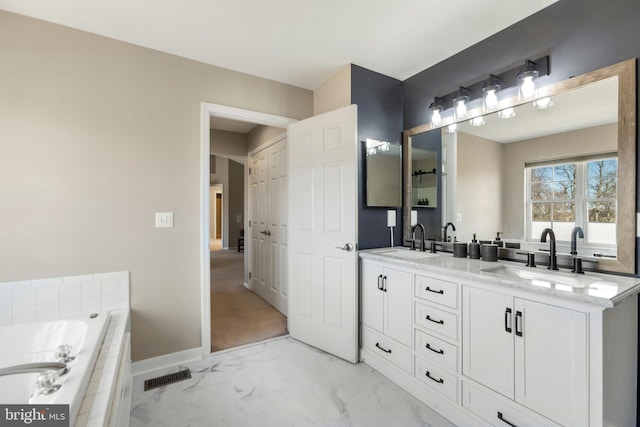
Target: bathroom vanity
x=498 y=343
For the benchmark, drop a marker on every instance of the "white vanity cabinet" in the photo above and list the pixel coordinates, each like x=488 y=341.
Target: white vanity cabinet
x=533 y=353
x=386 y=312
x=487 y=351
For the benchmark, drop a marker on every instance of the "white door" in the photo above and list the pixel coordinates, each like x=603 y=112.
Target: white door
x=258 y=224
x=277 y=225
x=487 y=339
x=323 y=260
x=551 y=361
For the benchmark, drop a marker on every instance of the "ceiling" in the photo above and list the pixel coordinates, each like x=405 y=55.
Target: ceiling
x=297 y=42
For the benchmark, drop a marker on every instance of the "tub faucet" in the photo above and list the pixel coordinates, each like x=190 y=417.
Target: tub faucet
x=576 y=232
x=413 y=238
x=38 y=367
x=444 y=230
x=553 y=258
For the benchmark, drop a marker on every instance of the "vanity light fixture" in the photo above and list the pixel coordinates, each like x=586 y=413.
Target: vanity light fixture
x=527 y=80
x=436 y=111
x=507 y=113
x=490 y=91
x=477 y=121
x=460 y=103
x=543 y=103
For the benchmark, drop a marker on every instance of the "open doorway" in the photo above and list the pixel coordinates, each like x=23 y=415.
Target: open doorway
x=239 y=315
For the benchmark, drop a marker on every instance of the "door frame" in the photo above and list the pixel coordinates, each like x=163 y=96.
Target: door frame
x=208 y=110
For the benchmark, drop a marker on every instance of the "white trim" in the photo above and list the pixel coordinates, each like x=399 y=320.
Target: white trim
x=268 y=340
x=208 y=110
x=165 y=361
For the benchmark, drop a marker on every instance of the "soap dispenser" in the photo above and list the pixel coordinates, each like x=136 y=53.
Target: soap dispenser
x=497 y=240
x=474 y=248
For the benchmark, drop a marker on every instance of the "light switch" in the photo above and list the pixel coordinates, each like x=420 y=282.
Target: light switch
x=459 y=217
x=164 y=219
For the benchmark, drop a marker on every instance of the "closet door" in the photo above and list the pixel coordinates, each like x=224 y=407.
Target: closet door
x=277 y=225
x=259 y=254
x=268 y=183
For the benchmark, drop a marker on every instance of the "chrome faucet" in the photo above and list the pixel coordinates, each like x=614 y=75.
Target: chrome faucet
x=444 y=230
x=30 y=368
x=576 y=232
x=413 y=238
x=553 y=258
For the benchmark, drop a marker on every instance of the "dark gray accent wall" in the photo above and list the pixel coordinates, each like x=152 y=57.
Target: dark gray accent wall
x=379 y=100
x=578 y=35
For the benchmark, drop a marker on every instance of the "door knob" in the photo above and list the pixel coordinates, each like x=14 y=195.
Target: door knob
x=347 y=247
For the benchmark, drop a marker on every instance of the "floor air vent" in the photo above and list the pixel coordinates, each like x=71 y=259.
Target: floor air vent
x=167 y=379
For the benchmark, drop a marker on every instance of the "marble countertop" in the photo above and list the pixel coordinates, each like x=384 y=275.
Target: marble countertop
x=600 y=289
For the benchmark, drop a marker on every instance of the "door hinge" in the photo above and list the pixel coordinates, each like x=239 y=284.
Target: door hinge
x=249 y=223
x=249 y=171
x=249 y=275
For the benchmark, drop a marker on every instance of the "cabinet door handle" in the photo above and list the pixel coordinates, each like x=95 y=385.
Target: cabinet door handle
x=441 y=291
x=379 y=282
x=519 y=323
x=434 y=350
x=439 y=322
x=504 y=420
x=507 y=320
x=383 y=349
x=438 y=380
x=384 y=283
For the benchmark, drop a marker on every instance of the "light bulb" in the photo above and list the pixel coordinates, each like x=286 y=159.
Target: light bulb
x=477 y=121
x=542 y=103
x=436 y=117
x=461 y=108
x=507 y=113
x=490 y=100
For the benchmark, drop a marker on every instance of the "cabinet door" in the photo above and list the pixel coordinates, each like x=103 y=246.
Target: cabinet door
x=487 y=339
x=372 y=296
x=551 y=361
x=398 y=292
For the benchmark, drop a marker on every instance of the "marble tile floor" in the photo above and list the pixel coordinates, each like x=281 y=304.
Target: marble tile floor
x=281 y=382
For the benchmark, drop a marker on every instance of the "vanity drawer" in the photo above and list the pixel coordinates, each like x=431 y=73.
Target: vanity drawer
x=436 y=320
x=496 y=412
x=436 y=350
x=387 y=348
x=437 y=378
x=436 y=290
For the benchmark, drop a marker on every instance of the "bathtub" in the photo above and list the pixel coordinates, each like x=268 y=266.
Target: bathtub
x=36 y=342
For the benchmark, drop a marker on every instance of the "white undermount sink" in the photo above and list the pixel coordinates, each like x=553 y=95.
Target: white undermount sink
x=406 y=254
x=541 y=277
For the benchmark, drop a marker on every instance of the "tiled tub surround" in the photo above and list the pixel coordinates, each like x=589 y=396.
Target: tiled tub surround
x=58 y=298
x=484 y=342
x=108 y=396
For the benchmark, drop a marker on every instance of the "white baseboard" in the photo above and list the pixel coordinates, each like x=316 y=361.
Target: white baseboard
x=246 y=285
x=166 y=361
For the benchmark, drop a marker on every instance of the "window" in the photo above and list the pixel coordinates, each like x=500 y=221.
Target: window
x=573 y=193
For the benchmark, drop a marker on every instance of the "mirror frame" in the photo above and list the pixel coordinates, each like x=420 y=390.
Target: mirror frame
x=625 y=71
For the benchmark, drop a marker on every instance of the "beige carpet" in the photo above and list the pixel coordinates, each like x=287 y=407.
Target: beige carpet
x=238 y=316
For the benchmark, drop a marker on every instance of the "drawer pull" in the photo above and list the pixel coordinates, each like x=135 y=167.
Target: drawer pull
x=519 y=323
x=379 y=282
x=384 y=283
x=439 y=380
x=383 y=349
x=441 y=291
x=504 y=420
x=507 y=320
x=434 y=350
x=439 y=322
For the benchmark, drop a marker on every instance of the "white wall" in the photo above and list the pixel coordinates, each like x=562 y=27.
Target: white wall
x=96 y=136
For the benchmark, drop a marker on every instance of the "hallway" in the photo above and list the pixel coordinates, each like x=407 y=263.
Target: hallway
x=238 y=316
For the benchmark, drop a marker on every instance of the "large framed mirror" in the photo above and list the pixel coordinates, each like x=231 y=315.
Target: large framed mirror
x=570 y=164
